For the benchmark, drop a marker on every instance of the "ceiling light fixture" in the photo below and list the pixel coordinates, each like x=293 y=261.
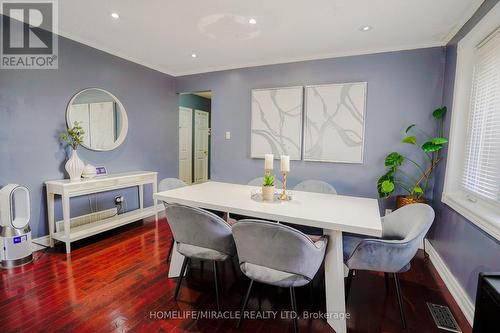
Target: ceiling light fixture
x=365 y=28
x=193 y=55
x=252 y=21
x=115 y=16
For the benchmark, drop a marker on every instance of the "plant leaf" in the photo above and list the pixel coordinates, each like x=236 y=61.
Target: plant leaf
x=430 y=147
x=387 y=187
x=389 y=177
x=409 y=128
x=439 y=113
x=439 y=141
x=411 y=139
x=417 y=190
x=394 y=159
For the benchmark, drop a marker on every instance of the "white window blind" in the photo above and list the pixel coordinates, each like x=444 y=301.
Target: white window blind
x=481 y=174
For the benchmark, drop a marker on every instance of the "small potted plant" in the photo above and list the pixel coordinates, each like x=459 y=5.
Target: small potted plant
x=414 y=186
x=73 y=137
x=268 y=187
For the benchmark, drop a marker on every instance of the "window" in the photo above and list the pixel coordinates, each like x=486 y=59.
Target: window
x=472 y=181
x=481 y=175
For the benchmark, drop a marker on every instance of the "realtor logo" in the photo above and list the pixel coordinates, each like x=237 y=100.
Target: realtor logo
x=29 y=35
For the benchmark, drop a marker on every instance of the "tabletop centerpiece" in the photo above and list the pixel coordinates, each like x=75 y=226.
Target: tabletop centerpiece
x=73 y=137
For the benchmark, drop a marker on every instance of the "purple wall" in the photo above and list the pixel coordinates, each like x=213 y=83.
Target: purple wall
x=403 y=88
x=32 y=113
x=465 y=248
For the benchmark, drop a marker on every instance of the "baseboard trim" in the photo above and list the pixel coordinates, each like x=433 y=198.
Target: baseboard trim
x=456 y=290
x=40 y=243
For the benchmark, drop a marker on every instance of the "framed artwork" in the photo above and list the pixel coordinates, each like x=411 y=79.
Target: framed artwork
x=334 y=122
x=277 y=122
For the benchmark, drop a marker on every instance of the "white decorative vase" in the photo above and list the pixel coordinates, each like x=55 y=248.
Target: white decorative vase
x=268 y=193
x=74 y=166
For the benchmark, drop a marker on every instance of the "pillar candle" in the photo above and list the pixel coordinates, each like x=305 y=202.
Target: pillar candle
x=268 y=161
x=285 y=163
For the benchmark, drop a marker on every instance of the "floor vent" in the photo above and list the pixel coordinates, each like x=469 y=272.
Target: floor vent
x=443 y=317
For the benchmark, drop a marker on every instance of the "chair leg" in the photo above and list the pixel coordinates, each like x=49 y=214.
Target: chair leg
x=244 y=305
x=311 y=294
x=294 y=309
x=386 y=278
x=400 y=300
x=169 y=255
x=258 y=290
x=179 y=281
x=348 y=283
x=216 y=285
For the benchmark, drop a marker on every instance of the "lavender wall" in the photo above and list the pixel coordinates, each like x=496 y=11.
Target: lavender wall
x=465 y=248
x=403 y=88
x=32 y=113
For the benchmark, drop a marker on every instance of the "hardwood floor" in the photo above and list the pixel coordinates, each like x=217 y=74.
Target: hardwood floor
x=117 y=282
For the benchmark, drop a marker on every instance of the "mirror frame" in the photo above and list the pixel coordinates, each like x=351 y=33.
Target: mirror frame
x=123 y=113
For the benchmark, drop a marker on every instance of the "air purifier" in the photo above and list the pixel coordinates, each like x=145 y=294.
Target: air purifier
x=15 y=232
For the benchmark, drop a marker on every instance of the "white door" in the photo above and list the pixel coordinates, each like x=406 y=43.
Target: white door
x=185 y=144
x=201 y=137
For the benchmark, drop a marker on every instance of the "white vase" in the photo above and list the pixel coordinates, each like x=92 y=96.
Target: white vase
x=74 y=166
x=268 y=193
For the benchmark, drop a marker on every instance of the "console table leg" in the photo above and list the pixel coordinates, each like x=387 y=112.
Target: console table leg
x=50 y=215
x=66 y=218
x=141 y=196
x=155 y=202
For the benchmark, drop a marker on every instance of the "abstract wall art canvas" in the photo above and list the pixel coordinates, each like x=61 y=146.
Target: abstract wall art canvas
x=277 y=122
x=334 y=122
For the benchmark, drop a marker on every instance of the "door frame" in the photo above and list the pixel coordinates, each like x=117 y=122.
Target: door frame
x=209 y=159
x=191 y=162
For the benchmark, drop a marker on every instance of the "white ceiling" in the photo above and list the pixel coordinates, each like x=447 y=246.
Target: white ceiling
x=162 y=34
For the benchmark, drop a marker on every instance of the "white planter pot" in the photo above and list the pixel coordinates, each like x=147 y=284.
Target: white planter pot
x=267 y=193
x=74 y=166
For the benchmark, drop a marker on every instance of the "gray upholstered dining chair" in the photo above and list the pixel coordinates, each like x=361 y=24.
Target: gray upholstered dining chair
x=402 y=232
x=165 y=185
x=317 y=186
x=200 y=234
x=284 y=257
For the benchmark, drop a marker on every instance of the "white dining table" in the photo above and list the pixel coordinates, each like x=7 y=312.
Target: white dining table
x=334 y=213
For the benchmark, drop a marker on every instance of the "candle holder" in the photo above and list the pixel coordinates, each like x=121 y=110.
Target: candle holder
x=283 y=196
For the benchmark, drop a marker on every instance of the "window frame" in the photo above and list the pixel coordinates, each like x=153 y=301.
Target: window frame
x=480 y=211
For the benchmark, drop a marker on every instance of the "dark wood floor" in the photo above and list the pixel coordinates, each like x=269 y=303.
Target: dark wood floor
x=115 y=281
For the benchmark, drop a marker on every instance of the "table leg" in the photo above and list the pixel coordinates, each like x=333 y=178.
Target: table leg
x=175 y=263
x=334 y=282
x=155 y=202
x=50 y=216
x=141 y=197
x=66 y=218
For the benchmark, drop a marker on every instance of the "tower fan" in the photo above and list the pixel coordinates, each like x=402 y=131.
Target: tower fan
x=15 y=232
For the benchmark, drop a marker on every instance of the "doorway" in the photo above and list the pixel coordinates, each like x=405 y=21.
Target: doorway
x=194 y=136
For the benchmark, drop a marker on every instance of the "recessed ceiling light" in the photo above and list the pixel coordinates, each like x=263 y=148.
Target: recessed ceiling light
x=366 y=28
x=115 y=16
x=193 y=55
x=252 y=21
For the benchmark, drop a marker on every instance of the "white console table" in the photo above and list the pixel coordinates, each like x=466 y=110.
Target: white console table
x=68 y=189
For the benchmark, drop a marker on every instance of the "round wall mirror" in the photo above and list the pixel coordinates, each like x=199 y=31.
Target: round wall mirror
x=102 y=117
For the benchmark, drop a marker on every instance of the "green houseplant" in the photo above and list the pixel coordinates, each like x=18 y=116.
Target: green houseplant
x=414 y=186
x=73 y=137
x=268 y=187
